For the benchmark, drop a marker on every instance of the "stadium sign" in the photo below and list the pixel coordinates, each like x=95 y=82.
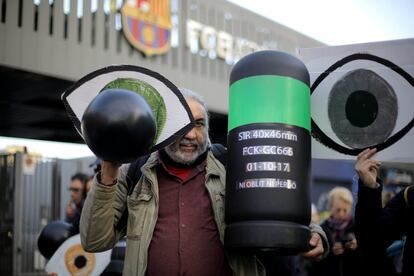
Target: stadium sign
x=207 y=40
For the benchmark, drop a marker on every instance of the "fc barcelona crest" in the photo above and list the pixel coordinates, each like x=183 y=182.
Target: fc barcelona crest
x=147 y=25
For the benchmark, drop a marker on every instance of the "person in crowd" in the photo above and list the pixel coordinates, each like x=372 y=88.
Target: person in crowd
x=339 y=227
x=77 y=190
x=176 y=210
x=376 y=226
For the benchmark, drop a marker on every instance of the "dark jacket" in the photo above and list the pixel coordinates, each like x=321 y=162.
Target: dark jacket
x=378 y=227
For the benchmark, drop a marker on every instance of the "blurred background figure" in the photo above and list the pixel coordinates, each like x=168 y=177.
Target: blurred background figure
x=339 y=227
x=78 y=191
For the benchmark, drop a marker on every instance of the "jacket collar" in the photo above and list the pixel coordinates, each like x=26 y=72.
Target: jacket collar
x=215 y=168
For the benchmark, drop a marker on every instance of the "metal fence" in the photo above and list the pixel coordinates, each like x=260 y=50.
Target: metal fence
x=33 y=192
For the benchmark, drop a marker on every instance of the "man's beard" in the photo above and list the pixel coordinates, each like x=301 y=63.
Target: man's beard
x=183 y=157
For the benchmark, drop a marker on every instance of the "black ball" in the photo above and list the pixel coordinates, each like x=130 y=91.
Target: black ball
x=119 y=126
x=52 y=237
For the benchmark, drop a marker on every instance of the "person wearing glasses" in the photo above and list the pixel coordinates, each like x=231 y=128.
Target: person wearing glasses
x=77 y=190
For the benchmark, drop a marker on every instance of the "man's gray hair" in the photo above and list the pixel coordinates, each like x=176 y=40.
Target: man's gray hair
x=187 y=93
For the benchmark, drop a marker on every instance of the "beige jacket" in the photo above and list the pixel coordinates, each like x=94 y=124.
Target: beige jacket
x=105 y=205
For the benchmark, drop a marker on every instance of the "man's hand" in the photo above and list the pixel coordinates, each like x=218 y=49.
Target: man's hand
x=367 y=168
x=317 y=248
x=109 y=172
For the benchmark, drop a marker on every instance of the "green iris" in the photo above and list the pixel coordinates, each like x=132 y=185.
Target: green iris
x=150 y=94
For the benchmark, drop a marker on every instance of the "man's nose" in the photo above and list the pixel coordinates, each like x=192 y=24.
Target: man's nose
x=191 y=135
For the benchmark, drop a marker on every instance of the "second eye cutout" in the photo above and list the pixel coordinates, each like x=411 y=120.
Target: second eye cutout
x=363 y=106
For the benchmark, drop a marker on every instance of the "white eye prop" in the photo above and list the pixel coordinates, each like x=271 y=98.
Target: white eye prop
x=71 y=259
x=362 y=97
x=172 y=114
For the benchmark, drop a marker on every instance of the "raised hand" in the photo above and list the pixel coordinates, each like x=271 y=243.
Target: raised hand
x=367 y=168
x=109 y=172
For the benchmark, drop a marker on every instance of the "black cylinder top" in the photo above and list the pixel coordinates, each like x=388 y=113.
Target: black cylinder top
x=269 y=62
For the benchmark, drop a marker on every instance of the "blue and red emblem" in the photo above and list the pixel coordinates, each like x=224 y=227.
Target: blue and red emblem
x=147 y=25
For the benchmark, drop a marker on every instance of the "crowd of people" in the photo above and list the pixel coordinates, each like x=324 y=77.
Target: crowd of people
x=176 y=217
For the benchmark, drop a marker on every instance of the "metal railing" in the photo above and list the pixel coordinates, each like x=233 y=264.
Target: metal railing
x=33 y=192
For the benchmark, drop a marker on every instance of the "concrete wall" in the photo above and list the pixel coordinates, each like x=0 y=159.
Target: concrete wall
x=44 y=39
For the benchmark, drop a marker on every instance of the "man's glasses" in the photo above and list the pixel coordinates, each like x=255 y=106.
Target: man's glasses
x=76 y=190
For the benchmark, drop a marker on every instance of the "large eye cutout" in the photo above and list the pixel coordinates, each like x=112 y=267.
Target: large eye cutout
x=363 y=107
x=172 y=115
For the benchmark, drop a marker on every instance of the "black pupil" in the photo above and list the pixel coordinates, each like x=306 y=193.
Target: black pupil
x=80 y=261
x=361 y=108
